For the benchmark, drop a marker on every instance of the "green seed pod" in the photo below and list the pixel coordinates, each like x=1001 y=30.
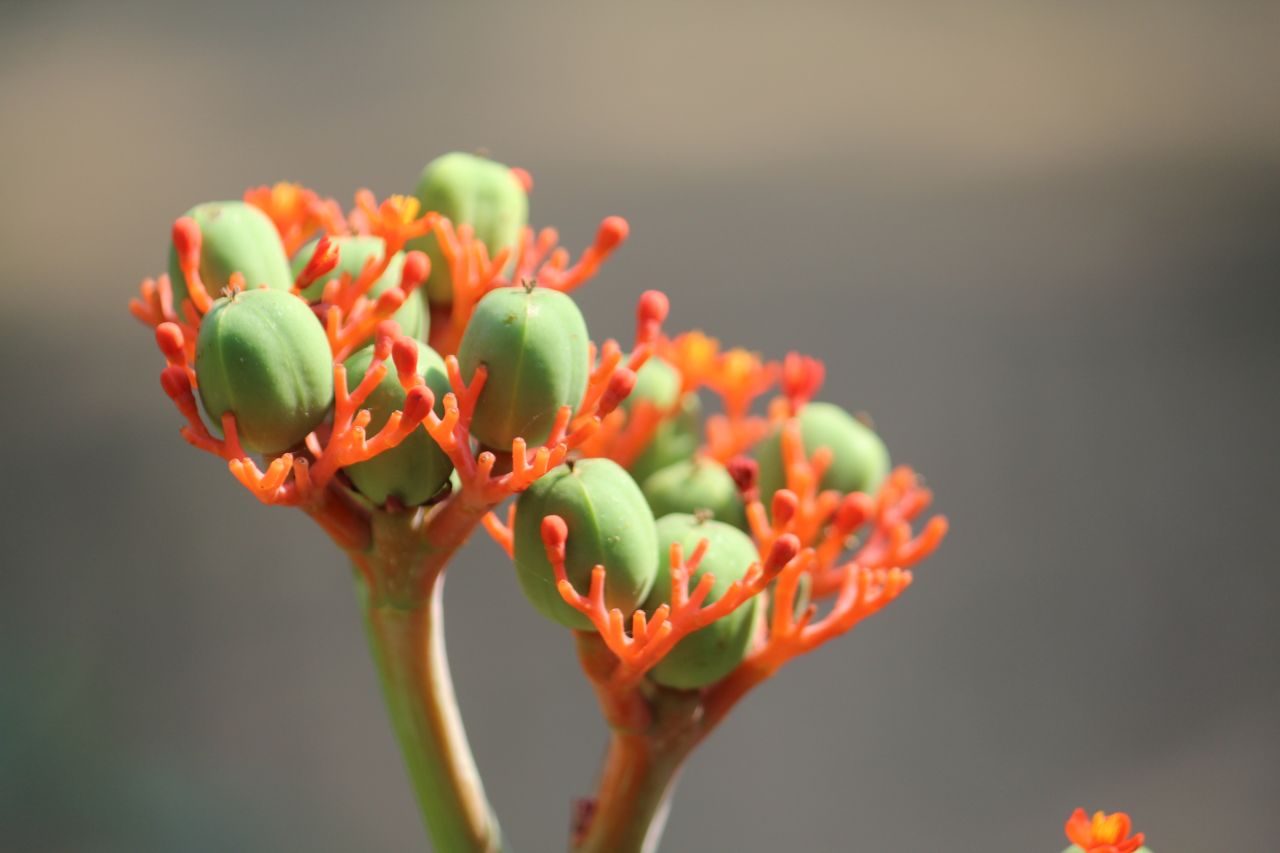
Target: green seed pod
x=471 y=190
x=696 y=484
x=657 y=382
x=709 y=654
x=415 y=469
x=609 y=525
x=264 y=356
x=675 y=440
x=353 y=253
x=235 y=237
x=860 y=460
x=534 y=343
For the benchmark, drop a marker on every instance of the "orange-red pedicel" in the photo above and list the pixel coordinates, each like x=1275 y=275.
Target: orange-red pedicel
x=855 y=549
x=1103 y=833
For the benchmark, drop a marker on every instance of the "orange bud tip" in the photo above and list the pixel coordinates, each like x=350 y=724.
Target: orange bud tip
x=170 y=340
x=175 y=381
x=613 y=231
x=417 y=403
x=853 y=511
x=390 y=301
x=186 y=241
x=785 y=504
x=405 y=353
x=387 y=333
x=554 y=531
x=653 y=308
x=784 y=550
x=417 y=266
x=523 y=176
x=621 y=384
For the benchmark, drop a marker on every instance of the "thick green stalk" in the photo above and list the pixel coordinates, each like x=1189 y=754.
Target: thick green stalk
x=636 y=784
x=401 y=578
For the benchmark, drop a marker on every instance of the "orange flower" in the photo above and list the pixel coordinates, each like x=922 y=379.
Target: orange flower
x=1103 y=833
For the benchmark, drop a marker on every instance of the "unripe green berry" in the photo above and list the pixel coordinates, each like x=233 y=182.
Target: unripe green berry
x=472 y=190
x=657 y=382
x=533 y=341
x=415 y=469
x=353 y=253
x=234 y=237
x=609 y=524
x=693 y=485
x=263 y=356
x=711 y=653
x=675 y=440
x=860 y=460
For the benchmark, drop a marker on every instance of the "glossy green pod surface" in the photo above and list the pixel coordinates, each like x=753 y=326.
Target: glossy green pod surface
x=860 y=460
x=353 y=253
x=473 y=190
x=263 y=356
x=696 y=484
x=709 y=654
x=534 y=344
x=415 y=469
x=609 y=524
x=675 y=440
x=234 y=237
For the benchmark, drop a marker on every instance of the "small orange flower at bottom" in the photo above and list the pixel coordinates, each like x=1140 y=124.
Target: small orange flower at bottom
x=1103 y=833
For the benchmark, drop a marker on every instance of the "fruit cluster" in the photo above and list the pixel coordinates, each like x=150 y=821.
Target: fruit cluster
x=422 y=357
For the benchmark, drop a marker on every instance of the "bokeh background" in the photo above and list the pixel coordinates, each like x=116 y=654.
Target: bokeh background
x=1037 y=241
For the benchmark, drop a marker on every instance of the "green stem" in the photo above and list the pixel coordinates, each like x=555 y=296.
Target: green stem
x=402 y=575
x=636 y=784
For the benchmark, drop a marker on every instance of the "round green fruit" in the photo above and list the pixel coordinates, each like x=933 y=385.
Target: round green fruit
x=475 y=191
x=693 y=485
x=263 y=356
x=416 y=469
x=235 y=237
x=533 y=341
x=860 y=460
x=353 y=254
x=657 y=382
x=711 y=653
x=675 y=440
x=609 y=524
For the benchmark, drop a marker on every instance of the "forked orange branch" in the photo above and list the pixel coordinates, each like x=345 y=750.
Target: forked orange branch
x=642 y=641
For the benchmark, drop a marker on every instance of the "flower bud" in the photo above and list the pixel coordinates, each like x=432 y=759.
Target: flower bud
x=471 y=190
x=263 y=356
x=860 y=460
x=235 y=237
x=710 y=653
x=415 y=469
x=533 y=343
x=608 y=523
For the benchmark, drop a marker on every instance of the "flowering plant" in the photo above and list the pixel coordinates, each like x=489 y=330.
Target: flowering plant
x=415 y=368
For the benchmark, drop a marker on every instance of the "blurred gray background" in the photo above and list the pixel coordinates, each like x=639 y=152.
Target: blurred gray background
x=1036 y=241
